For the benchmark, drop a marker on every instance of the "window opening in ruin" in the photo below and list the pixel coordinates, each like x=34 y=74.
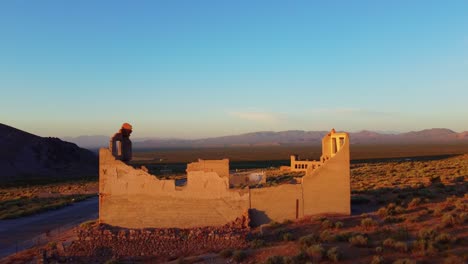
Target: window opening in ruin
x=341 y=141
x=334 y=146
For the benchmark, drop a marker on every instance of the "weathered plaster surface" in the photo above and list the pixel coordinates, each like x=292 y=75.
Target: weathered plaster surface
x=133 y=198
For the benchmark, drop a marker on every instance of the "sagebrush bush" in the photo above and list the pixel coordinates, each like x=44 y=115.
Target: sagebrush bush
x=334 y=254
x=400 y=210
x=327 y=224
x=309 y=240
x=424 y=247
x=315 y=252
x=401 y=246
x=368 y=223
x=449 y=220
x=339 y=225
x=389 y=243
x=358 y=240
x=326 y=236
x=427 y=233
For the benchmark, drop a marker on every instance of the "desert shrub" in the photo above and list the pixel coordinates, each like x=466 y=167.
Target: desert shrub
x=424 y=247
x=239 y=255
x=399 y=210
x=333 y=254
x=358 y=240
x=404 y=261
x=52 y=245
x=401 y=246
x=389 y=243
x=462 y=218
x=368 y=223
x=383 y=212
x=449 y=220
x=226 y=253
x=326 y=236
x=414 y=203
x=451 y=199
x=379 y=250
x=377 y=260
x=444 y=238
x=309 y=240
x=461 y=205
x=339 y=225
x=427 y=233
x=437 y=211
x=327 y=224
x=316 y=252
x=257 y=243
x=288 y=237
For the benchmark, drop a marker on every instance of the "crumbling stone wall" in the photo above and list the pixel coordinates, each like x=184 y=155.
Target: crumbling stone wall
x=327 y=189
x=102 y=242
x=221 y=167
x=133 y=198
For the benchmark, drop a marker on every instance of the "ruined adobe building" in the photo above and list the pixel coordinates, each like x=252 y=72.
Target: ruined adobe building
x=133 y=198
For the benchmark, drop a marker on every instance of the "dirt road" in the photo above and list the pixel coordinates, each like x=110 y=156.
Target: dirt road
x=22 y=233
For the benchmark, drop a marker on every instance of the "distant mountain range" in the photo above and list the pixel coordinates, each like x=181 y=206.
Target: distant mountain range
x=292 y=137
x=24 y=156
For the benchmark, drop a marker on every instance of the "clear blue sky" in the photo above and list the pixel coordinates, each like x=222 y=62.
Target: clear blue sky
x=207 y=68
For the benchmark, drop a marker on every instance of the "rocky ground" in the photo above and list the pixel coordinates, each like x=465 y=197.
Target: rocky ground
x=403 y=212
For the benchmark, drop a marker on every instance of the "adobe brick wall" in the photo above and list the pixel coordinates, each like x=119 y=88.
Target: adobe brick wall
x=133 y=198
x=327 y=189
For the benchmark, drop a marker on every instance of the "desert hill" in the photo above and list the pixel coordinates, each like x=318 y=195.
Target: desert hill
x=24 y=156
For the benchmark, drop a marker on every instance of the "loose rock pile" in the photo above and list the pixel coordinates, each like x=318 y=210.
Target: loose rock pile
x=102 y=242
